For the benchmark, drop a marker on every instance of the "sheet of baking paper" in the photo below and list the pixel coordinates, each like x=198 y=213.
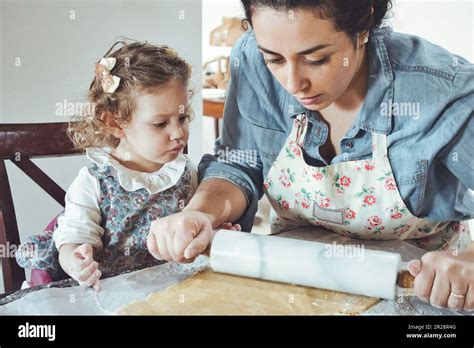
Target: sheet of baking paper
x=115 y=292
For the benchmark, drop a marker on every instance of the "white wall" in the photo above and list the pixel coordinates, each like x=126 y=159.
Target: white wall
x=448 y=23
x=57 y=62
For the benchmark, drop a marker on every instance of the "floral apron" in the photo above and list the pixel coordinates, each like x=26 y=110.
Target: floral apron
x=359 y=199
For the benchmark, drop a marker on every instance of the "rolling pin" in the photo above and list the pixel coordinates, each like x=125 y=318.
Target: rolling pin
x=313 y=264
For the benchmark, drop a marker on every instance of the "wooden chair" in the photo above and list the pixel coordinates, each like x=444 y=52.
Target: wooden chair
x=19 y=143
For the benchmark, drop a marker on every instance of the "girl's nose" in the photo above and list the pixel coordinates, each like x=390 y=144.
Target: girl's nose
x=177 y=133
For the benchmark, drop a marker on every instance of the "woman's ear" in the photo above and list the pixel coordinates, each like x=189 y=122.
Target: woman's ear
x=362 y=38
x=113 y=127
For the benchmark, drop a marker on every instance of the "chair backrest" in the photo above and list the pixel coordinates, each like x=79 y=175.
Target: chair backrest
x=18 y=144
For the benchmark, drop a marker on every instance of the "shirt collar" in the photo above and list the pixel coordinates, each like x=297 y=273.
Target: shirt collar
x=132 y=180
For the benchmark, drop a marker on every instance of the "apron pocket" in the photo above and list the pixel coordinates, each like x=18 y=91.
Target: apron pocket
x=410 y=176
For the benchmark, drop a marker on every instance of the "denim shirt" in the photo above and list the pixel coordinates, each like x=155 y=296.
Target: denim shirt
x=419 y=94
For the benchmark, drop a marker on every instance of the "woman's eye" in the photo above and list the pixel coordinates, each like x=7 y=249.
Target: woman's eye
x=317 y=62
x=310 y=62
x=160 y=125
x=274 y=61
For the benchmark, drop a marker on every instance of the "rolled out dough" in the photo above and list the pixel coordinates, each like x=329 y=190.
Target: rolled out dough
x=210 y=293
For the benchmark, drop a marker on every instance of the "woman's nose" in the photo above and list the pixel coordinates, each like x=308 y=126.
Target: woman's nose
x=295 y=82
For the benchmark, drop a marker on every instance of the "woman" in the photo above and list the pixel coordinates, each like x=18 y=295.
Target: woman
x=353 y=127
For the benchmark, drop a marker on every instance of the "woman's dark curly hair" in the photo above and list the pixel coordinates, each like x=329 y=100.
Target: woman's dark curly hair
x=349 y=16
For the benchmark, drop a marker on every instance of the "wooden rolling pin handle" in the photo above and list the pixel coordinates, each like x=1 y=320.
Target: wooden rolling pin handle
x=405 y=279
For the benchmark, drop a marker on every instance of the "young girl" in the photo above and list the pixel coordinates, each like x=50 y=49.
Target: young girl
x=134 y=138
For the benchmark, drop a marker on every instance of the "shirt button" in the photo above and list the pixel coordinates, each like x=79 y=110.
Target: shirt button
x=349 y=144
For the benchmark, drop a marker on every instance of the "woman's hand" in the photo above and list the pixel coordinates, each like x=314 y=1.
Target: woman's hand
x=180 y=237
x=445 y=279
x=78 y=262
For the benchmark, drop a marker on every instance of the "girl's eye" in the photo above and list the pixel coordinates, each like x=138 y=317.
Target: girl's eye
x=184 y=118
x=159 y=125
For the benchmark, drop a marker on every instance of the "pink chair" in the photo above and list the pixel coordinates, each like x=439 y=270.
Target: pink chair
x=38 y=276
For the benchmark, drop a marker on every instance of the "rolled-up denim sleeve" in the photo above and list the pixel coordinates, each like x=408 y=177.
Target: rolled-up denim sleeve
x=458 y=156
x=236 y=158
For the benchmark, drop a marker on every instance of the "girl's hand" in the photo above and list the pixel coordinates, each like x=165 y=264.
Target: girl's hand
x=445 y=279
x=81 y=266
x=230 y=226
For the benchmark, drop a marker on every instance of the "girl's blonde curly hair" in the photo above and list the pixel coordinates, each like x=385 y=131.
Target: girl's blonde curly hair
x=140 y=66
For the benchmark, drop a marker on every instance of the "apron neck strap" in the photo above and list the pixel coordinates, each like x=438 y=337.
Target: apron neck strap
x=379 y=145
x=300 y=126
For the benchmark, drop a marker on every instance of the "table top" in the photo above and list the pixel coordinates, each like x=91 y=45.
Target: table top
x=137 y=285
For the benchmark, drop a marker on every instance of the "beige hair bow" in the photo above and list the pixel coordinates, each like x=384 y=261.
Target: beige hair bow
x=102 y=70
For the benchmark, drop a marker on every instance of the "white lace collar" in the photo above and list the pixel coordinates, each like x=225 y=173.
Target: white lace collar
x=132 y=180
